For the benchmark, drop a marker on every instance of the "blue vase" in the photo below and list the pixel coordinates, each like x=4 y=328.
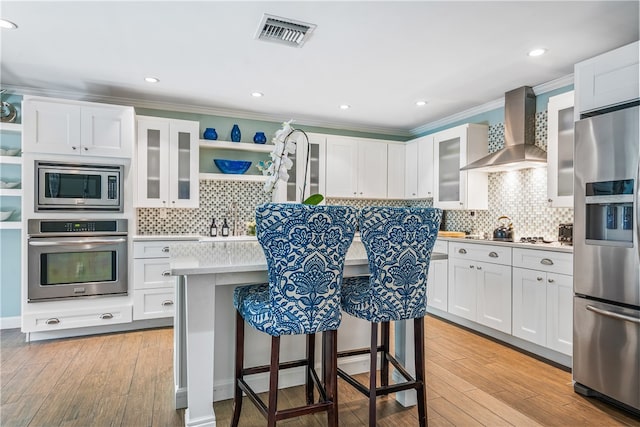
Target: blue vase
x=235 y=133
x=210 y=133
x=259 y=138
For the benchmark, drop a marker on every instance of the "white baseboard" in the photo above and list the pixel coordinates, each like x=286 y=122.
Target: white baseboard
x=10 y=322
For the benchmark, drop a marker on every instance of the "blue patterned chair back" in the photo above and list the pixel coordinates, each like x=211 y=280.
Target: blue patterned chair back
x=305 y=247
x=399 y=242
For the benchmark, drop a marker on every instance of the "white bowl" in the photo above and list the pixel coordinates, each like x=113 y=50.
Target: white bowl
x=9 y=151
x=4 y=215
x=9 y=184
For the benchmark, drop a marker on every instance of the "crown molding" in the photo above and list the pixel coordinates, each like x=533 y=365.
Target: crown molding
x=198 y=109
x=490 y=106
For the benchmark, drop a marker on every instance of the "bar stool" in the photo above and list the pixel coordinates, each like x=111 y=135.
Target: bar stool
x=305 y=247
x=399 y=242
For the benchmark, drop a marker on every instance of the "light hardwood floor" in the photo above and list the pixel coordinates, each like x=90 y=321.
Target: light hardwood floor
x=126 y=379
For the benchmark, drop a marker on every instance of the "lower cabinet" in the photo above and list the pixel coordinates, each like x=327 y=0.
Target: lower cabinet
x=76 y=318
x=153 y=285
x=479 y=290
x=437 y=282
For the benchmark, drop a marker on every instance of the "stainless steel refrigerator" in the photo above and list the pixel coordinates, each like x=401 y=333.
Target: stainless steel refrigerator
x=606 y=272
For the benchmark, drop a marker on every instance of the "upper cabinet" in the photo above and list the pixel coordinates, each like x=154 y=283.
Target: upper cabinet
x=57 y=126
x=607 y=79
x=419 y=168
x=396 y=171
x=308 y=179
x=356 y=167
x=452 y=149
x=167 y=163
x=560 y=150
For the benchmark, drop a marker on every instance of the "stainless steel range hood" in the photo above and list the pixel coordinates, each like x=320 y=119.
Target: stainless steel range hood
x=519 y=151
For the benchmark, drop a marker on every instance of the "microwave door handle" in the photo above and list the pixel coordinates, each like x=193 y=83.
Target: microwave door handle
x=79 y=242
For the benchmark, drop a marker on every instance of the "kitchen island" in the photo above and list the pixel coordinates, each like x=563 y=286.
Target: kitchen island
x=207 y=272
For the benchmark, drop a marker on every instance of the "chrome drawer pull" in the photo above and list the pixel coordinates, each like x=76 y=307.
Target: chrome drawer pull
x=493 y=254
x=165 y=249
x=52 y=321
x=166 y=273
x=546 y=261
x=462 y=251
x=471 y=266
x=550 y=280
x=614 y=315
x=167 y=302
x=478 y=268
x=539 y=279
x=106 y=316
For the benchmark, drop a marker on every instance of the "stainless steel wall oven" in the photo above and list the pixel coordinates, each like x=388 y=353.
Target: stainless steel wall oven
x=70 y=259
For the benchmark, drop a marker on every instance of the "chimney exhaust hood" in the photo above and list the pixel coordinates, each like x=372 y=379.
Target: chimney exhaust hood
x=520 y=151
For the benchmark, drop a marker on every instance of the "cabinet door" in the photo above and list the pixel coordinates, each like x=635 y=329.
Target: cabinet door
x=425 y=167
x=449 y=147
x=494 y=296
x=342 y=165
x=396 y=171
x=560 y=313
x=51 y=127
x=314 y=154
x=411 y=170
x=560 y=150
x=183 y=164
x=372 y=169
x=462 y=289
x=153 y=163
x=107 y=131
x=530 y=305
x=437 y=288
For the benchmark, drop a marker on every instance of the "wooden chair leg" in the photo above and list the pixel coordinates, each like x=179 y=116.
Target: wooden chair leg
x=273 y=381
x=373 y=368
x=239 y=363
x=421 y=386
x=330 y=374
x=384 y=361
x=311 y=360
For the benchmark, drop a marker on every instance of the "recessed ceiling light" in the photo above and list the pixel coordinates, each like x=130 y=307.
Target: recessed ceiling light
x=345 y=106
x=257 y=94
x=151 y=79
x=421 y=103
x=537 y=52
x=7 y=24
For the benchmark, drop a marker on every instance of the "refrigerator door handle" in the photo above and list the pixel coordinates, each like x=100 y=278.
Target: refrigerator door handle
x=614 y=315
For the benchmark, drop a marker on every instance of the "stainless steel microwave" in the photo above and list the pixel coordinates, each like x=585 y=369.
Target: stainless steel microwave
x=78 y=187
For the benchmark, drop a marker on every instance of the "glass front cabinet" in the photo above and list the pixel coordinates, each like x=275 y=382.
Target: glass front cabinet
x=560 y=123
x=453 y=149
x=168 y=154
x=313 y=175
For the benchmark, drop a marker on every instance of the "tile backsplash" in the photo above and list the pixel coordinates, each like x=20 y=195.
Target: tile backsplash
x=520 y=195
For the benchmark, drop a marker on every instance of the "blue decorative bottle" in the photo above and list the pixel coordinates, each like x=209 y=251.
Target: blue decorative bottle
x=210 y=133
x=235 y=133
x=259 y=138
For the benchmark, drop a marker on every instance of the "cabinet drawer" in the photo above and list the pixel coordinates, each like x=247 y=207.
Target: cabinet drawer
x=153 y=303
x=480 y=252
x=151 y=249
x=67 y=319
x=441 y=246
x=553 y=262
x=152 y=273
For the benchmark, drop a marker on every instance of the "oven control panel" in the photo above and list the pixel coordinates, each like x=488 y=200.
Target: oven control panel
x=59 y=227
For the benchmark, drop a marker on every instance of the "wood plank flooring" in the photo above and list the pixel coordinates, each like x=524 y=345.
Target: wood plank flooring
x=126 y=379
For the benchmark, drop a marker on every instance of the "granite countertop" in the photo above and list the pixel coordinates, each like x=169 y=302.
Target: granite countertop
x=553 y=246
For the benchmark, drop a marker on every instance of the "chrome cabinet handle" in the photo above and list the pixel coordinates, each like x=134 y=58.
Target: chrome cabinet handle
x=478 y=268
x=166 y=273
x=614 y=315
x=73 y=148
x=86 y=149
x=493 y=254
x=462 y=251
x=167 y=302
x=165 y=249
x=539 y=279
x=52 y=321
x=106 y=316
x=471 y=266
x=546 y=261
x=550 y=280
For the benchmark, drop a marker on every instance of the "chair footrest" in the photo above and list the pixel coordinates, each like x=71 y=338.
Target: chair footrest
x=265 y=368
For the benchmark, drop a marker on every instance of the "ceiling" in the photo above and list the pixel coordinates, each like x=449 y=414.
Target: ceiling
x=380 y=57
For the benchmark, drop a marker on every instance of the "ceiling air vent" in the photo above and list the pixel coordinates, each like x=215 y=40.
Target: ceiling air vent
x=284 y=30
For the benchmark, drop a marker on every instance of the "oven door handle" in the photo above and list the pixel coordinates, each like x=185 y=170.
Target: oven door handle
x=78 y=242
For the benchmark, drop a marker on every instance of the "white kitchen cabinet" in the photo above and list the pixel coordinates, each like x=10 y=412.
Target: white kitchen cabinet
x=480 y=284
x=607 y=79
x=452 y=149
x=153 y=285
x=560 y=123
x=57 y=126
x=419 y=168
x=543 y=298
x=437 y=282
x=167 y=163
x=396 y=171
x=54 y=320
x=356 y=168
